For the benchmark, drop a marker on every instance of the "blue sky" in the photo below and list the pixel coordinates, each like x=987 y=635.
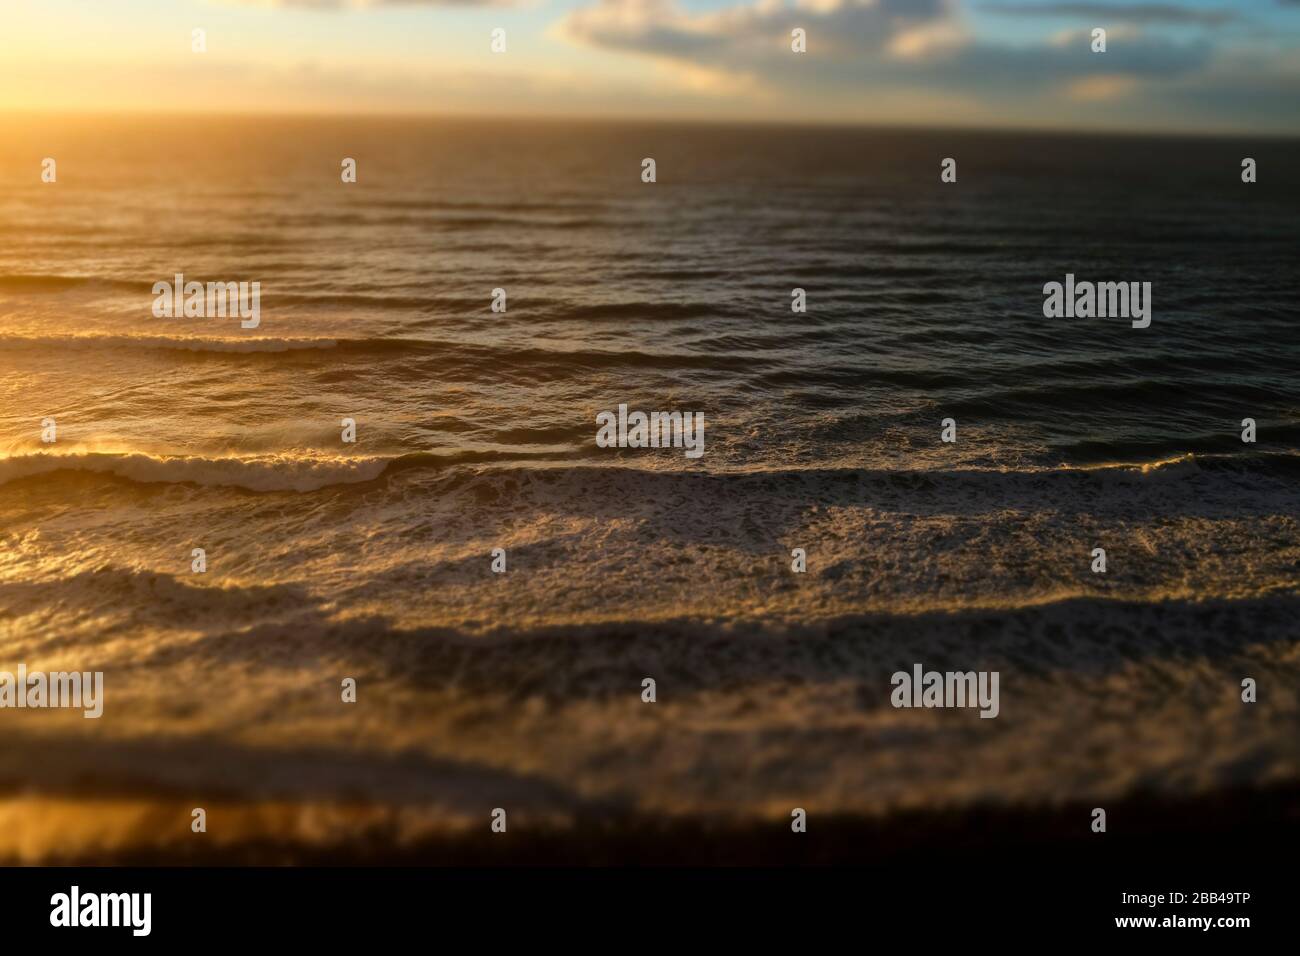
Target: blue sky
x=1196 y=65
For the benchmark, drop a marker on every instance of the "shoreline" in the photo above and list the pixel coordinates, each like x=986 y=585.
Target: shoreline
x=1141 y=829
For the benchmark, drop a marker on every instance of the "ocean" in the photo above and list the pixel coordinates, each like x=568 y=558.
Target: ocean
x=475 y=430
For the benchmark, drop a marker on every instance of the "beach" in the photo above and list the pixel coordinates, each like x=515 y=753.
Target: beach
x=476 y=430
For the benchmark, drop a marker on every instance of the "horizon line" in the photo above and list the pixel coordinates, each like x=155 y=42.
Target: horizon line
x=611 y=119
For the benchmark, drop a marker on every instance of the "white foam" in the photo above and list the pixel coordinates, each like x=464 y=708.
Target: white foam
x=258 y=473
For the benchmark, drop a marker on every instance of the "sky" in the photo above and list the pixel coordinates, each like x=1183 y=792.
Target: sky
x=1195 y=65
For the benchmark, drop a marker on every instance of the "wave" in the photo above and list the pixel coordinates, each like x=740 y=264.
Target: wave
x=350 y=299
x=1271 y=465
x=499 y=206
x=822 y=648
x=283 y=472
x=522 y=356
x=260 y=473
x=165 y=342
x=638 y=310
x=31 y=282
x=305 y=473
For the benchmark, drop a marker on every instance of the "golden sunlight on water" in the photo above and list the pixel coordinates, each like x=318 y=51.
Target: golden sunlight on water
x=181 y=508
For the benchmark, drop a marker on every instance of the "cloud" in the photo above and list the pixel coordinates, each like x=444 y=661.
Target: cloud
x=748 y=32
x=915 y=61
x=1103 y=13
x=866 y=45
x=924 y=61
x=1103 y=86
